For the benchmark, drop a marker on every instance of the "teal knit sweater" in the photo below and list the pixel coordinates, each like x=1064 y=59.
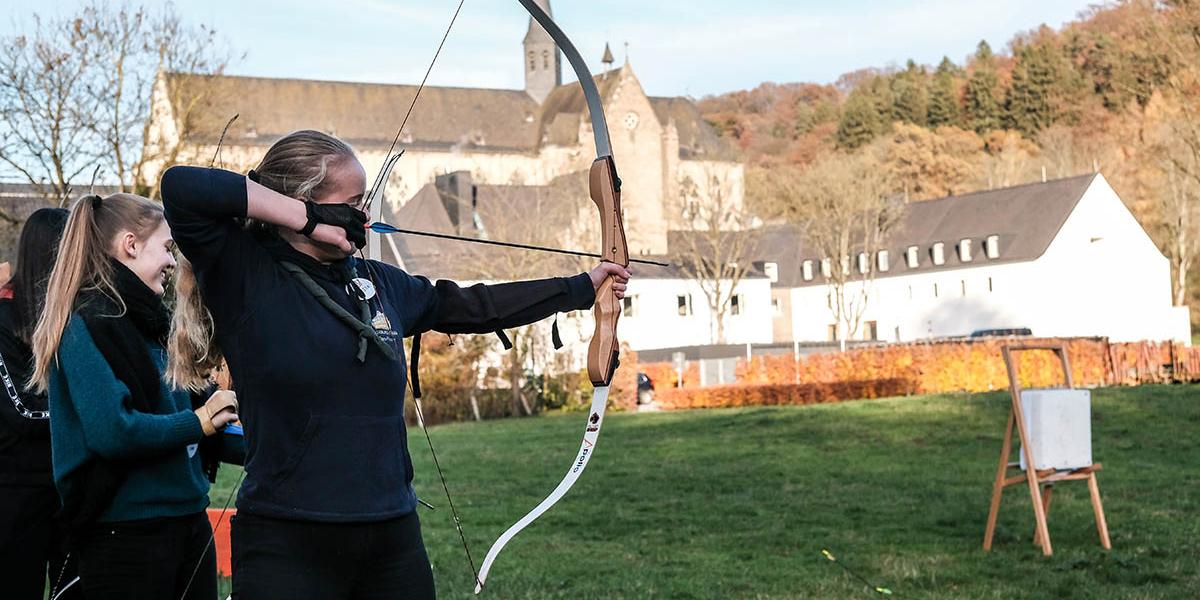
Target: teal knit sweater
x=88 y=418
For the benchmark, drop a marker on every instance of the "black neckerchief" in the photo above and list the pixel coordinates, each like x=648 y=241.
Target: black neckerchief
x=307 y=270
x=121 y=330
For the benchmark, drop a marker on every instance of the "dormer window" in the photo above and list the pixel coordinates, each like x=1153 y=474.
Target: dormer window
x=964 y=250
x=864 y=263
x=939 y=253
x=912 y=257
x=806 y=270
x=882 y=262
x=771 y=270
x=991 y=246
x=826 y=268
x=845 y=264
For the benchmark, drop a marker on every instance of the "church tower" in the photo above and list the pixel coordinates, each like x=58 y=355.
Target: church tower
x=543 y=70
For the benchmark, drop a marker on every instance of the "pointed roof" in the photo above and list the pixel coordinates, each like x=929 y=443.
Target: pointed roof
x=535 y=31
x=608 y=57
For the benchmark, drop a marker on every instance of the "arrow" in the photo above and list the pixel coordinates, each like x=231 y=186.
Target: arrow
x=381 y=228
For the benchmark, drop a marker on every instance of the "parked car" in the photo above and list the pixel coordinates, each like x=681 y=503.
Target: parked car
x=1012 y=331
x=645 y=393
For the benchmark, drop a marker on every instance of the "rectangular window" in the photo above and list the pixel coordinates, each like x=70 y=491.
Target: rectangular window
x=806 y=270
x=964 y=250
x=989 y=284
x=935 y=290
x=864 y=264
x=826 y=269
x=735 y=304
x=992 y=246
x=870 y=331
x=832 y=332
x=684 y=303
x=963 y=283
x=775 y=307
x=939 y=253
x=882 y=262
x=771 y=270
x=629 y=306
x=912 y=257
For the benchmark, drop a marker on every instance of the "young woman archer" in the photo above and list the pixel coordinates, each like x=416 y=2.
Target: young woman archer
x=127 y=454
x=327 y=509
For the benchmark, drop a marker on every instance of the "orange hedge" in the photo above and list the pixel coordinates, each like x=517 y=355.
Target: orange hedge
x=776 y=394
x=937 y=367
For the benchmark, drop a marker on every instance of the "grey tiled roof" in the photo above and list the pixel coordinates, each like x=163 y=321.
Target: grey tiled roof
x=367 y=114
x=1026 y=218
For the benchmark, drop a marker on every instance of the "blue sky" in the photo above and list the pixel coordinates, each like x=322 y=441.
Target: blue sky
x=694 y=47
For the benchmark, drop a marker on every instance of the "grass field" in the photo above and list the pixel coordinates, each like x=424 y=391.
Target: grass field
x=739 y=503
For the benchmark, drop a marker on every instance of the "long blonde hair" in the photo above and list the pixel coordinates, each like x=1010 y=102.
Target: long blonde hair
x=296 y=166
x=83 y=264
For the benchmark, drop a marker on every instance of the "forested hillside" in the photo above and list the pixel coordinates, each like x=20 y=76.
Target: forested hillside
x=1115 y=91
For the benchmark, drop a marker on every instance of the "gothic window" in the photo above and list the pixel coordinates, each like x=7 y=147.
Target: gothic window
x=545 y=59
x=532 y=62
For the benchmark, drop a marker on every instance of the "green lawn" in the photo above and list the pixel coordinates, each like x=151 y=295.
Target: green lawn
x=739 y=503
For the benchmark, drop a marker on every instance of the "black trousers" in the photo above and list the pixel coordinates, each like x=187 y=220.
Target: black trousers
x=148 y=560
x=300 y=560
x=31 y=544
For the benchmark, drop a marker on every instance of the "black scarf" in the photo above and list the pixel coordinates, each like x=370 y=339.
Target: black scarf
x=121 y=329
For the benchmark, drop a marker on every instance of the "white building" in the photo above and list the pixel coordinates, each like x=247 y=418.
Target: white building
x=666 y=309
x=1061 y=258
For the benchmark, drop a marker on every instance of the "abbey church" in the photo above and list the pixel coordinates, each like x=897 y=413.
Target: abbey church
x=468 y=139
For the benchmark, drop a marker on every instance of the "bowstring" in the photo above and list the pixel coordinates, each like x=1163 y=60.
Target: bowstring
x=453 y=511
x=462 y=536
x=225 y=508
x=381 y=183
x=413 y=104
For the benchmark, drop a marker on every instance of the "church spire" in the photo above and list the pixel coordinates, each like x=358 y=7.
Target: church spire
x=608 y=58
x=543 y=69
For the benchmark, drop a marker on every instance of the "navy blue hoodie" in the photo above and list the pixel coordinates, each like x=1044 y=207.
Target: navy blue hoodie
x=325 y=433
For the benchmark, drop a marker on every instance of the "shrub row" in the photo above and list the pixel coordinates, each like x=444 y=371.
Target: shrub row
x=778 y=394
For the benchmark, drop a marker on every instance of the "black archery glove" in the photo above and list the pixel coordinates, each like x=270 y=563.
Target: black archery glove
x=350 y=219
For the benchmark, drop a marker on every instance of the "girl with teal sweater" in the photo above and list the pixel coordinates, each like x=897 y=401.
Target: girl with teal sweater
x=129 y=448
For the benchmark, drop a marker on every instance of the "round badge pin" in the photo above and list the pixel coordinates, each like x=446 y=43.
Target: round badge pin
x=363 y=286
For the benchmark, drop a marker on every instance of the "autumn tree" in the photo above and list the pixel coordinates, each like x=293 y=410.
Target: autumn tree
x=45 y=107
x=75 y=93
x=846 y=204
x=715 y=244
x=928 y=164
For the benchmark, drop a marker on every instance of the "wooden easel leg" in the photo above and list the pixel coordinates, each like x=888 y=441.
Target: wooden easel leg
x=998 y=485
x=1046 y=494
x=1035 y=493
x=1101 y=524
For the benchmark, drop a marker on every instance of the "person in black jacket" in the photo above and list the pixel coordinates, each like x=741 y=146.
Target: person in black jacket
x=31 y=542
x=313 y=340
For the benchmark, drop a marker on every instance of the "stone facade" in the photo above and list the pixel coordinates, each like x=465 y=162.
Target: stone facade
x=501 y=137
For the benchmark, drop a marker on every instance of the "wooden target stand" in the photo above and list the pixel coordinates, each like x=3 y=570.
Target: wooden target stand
x=1040 y=482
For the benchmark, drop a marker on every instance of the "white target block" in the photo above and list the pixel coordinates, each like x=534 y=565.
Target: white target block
x=1058 y=423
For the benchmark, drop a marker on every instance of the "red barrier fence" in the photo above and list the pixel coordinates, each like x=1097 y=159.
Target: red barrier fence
x=221 y=539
